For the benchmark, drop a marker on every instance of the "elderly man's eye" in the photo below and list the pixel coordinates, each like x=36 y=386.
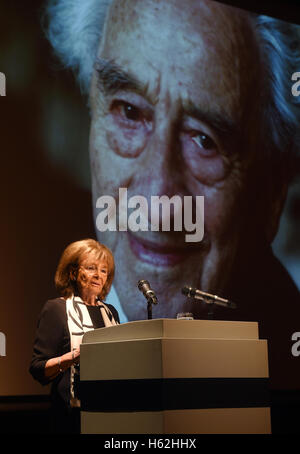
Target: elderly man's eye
x=204 y=141
x=127 y=111
x=131 y=112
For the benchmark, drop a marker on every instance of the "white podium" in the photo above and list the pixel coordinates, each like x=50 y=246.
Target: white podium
x=175 y=377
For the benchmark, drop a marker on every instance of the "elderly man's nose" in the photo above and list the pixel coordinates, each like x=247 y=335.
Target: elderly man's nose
x=162 y=176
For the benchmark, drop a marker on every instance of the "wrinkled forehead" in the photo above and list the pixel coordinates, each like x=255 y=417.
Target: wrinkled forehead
x=94 y=257
x=200 y=45
x=205 y=18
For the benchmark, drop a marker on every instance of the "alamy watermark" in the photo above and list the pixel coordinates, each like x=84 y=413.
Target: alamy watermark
x=2 y=344
x=296 y=346
x=2 y=84
x=296 y=86
x=183 y=209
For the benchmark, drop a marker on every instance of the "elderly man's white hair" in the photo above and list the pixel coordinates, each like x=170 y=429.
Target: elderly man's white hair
x=74 y=30
x=75 y=27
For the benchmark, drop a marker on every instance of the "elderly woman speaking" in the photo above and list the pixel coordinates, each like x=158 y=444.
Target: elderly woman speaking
x=83 y=279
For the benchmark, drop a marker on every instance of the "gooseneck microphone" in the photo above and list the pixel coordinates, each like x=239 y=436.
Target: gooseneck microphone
x=148 y=293
x=207 y=297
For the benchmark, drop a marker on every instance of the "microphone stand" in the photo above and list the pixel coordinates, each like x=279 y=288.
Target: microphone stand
x=149 y=309
x=144 y=287
x=208 y=302
x=210 y=313
x=207 y=298
x=150 y=301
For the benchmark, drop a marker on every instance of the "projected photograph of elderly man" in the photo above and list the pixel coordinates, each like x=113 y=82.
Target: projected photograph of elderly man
x=192 y=98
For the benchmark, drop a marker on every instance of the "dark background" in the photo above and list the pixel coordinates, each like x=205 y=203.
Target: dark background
x=46 y=202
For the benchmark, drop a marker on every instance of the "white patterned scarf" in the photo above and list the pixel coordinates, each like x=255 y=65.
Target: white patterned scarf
x=79 y=323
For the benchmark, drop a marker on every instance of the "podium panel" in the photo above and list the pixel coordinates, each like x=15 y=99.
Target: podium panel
x=175 y=376
x=206 y=421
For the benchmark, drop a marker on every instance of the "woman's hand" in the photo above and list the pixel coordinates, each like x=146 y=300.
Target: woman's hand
x=76 y=355
x=55 y=366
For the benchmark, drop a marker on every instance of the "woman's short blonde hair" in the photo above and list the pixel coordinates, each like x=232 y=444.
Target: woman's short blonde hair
x=69 y=264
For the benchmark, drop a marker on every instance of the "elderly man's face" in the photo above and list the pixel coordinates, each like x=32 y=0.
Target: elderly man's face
x=171 y=115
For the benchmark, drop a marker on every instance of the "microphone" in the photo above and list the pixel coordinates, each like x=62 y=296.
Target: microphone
x=148 y=293
x=207 y=297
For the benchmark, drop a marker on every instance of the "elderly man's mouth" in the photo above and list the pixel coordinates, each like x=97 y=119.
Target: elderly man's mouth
x=156 y=254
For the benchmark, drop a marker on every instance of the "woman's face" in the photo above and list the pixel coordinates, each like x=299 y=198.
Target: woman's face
x=91 y=277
